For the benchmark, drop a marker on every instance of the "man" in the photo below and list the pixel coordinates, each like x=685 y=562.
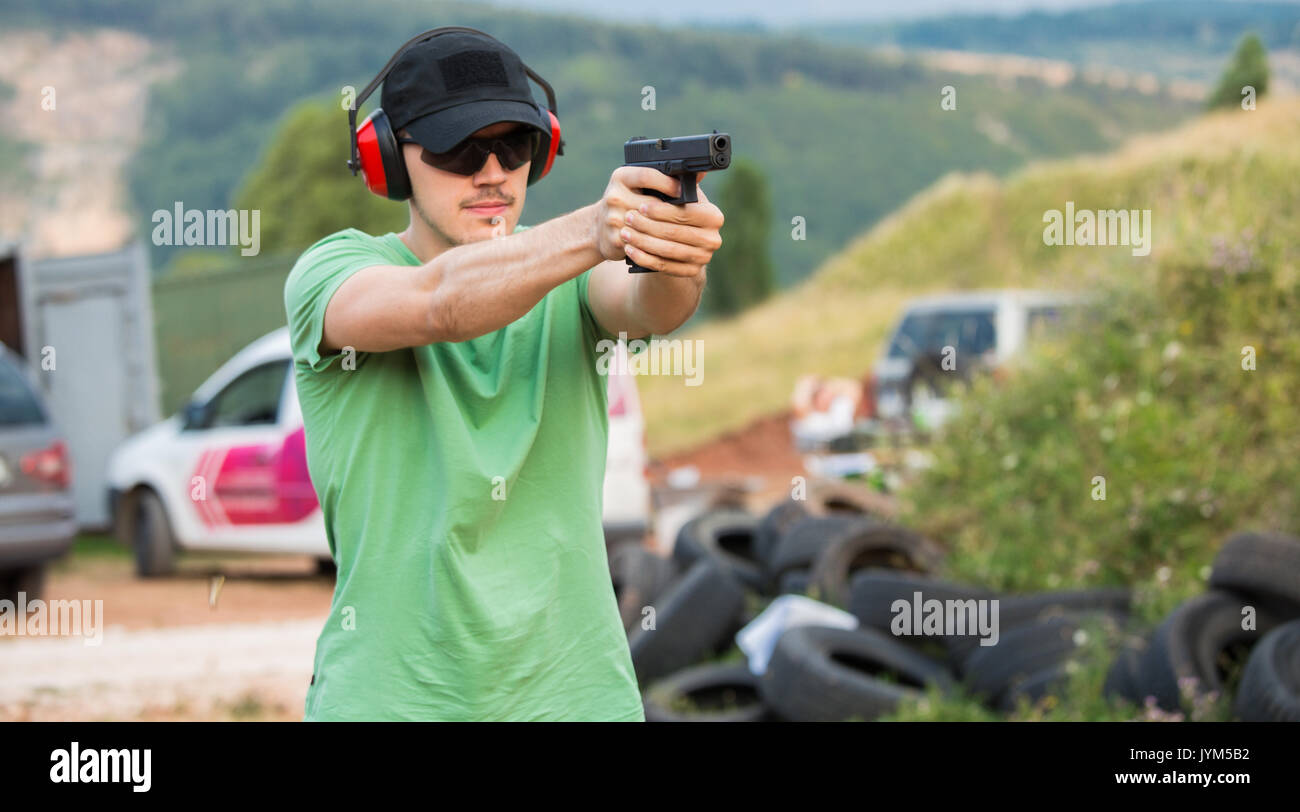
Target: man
x=456 y=422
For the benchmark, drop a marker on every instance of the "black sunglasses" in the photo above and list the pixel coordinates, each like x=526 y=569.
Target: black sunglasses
x=514 y=149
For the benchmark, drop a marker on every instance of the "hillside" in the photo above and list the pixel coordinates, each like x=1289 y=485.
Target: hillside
x=1204 y=183
x=1171 y=39
x=63 y=170
x=819 y=118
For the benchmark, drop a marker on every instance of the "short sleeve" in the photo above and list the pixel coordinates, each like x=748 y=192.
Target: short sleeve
x=315 y=277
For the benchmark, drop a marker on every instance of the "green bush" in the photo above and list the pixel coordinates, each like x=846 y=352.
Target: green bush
x=1150 y=390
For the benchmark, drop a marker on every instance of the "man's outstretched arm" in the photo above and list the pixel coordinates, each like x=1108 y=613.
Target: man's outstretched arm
x=462 y=293
x=474 y=289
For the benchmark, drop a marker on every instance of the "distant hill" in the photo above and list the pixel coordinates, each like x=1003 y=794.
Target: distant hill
x=844 y=136
x=760 y=13
x=1206 y=184
x=1172 y=39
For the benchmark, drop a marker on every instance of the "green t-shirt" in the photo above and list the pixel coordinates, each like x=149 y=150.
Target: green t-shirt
x=461 y=490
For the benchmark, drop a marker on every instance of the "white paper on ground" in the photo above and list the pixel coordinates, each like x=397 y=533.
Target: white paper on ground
x=758 y=638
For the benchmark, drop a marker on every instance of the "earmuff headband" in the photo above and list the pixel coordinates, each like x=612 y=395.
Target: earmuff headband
x=354 y=160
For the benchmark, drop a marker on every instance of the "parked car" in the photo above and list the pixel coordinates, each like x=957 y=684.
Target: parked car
x=37 y=511
x=242 y=433
x=978 y=331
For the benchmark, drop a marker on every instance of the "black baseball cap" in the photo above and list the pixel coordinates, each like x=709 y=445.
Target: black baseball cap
x=448 y=87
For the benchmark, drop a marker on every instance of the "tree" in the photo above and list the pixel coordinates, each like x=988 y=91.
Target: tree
x=304 y=189
x=1249 y=67
x=741 y=273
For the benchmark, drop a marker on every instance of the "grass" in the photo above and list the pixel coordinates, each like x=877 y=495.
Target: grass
x=92 y=547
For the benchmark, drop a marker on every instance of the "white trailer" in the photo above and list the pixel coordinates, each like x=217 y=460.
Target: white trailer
x=85 y=326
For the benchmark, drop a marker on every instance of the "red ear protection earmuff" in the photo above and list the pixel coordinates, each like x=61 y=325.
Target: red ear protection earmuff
x=383 y=166
x=550 y=146
x=378 y=156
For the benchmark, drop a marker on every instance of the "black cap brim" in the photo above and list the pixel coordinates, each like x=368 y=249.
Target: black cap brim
x=440 y=131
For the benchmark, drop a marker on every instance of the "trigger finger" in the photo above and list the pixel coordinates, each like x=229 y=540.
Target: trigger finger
x=647 y=178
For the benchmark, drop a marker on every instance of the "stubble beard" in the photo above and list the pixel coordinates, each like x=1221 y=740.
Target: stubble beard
x=449 y=240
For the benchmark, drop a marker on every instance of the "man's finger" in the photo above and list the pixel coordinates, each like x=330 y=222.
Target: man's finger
x=655 y=263
x=698 y=215
x=674 y=232
x=667 y=249
x=666 y=212
x=637 y=178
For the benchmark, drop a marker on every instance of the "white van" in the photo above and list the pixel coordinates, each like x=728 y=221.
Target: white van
x=241 y=441
x=979 y=331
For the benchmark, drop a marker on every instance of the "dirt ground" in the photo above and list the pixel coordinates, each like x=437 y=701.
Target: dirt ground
x=761 y=458
x=168 y=652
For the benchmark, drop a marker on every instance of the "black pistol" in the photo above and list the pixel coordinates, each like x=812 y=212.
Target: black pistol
x=680 y=157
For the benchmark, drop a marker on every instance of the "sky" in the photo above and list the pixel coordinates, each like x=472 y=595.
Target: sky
x=780 y=13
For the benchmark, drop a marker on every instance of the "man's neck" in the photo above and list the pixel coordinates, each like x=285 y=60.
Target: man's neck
x=423 y=243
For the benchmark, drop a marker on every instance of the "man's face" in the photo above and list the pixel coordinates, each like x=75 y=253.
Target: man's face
x=461 y=209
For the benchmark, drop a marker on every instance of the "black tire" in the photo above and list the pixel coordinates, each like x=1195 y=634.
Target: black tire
x=1270 y=685
x=881 y=546
x=727 y=536
x=639 y=578
x=794 y=582
x=991 y=672
x=1042 y=605
x=28 y=580
x=1261 y=566
x=806 y=538
x=1122 y=680
x=1019 y=610
x=872 y=594
x=773 y=526
x=841 y=498
x=1195 y=644
x=820 y=674
x=155 y=550
x=695 y=617
x=723 y=693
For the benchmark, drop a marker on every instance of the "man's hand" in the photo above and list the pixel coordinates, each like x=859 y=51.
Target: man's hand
x=677 y=240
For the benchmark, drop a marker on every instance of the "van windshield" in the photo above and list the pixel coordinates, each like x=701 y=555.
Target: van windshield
x=970 y=332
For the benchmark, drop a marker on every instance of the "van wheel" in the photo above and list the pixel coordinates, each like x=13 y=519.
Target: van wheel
x=155 y=551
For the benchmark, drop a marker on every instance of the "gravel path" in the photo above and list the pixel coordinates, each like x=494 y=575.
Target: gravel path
x=239 y=670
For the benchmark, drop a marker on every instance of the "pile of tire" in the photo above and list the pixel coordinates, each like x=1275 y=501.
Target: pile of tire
x=684 y=610
x=1247 y=624
x=726 y=562
x=1028 y=654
